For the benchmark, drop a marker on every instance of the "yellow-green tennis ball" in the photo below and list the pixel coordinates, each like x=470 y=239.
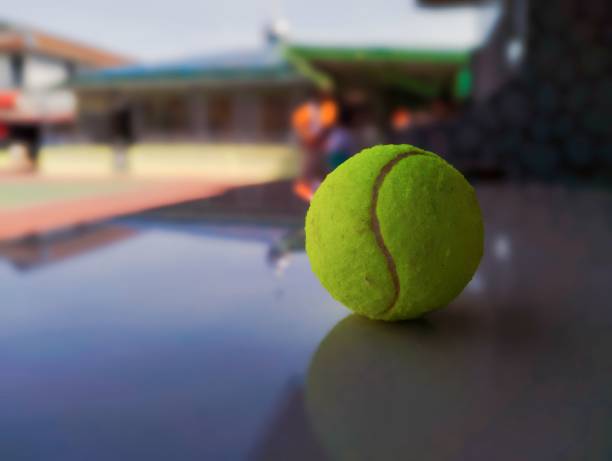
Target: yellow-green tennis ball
x=394 y=232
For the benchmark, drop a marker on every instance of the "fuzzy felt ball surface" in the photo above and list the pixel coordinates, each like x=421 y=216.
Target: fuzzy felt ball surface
x=394 y=232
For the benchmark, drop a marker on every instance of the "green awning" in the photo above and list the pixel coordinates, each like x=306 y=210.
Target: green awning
x=423 y=73
x=459 y=58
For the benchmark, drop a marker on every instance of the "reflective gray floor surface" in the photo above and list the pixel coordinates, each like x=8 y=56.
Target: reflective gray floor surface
x=198 y=332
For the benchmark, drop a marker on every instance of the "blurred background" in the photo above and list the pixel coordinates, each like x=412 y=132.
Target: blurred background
x=156 y=162
x=247 y=93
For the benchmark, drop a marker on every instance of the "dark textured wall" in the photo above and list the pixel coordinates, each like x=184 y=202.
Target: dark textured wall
x=553 y=115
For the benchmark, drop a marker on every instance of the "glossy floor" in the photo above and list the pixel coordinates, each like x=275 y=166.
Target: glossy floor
x=198 y=332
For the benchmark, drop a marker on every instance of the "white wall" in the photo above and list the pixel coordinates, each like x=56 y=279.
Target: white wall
x=41 y=73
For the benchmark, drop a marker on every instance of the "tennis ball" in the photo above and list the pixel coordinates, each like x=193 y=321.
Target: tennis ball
x=394 y=232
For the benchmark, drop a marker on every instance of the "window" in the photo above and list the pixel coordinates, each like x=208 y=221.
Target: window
x=164 y=115
x=275 y=116
x=220 y=116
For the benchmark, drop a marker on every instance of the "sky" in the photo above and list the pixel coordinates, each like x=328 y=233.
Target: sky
x=153 y=30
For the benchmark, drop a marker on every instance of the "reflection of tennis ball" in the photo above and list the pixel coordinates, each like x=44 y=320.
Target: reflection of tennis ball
x=394 y=232
x=418 y=391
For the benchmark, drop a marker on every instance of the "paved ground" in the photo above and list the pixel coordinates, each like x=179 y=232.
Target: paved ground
x=78 y=184
x=31 y=204
x=18 y=192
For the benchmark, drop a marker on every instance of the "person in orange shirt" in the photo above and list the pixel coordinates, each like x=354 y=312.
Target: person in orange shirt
x=312 y=122
x=401 y=119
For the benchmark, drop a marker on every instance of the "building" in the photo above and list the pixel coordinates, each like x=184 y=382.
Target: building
x=213 y=103
x=248 y=96
x=241 y=96
x=34 y=67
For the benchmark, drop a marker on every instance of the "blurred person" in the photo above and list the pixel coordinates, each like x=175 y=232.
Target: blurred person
x=339 y=144
x=24 y=143
x=123 y=134
x=437 y=111
x=400 y=121
x=312 y=122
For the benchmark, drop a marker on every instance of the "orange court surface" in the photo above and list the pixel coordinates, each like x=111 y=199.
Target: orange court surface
x=31 y=204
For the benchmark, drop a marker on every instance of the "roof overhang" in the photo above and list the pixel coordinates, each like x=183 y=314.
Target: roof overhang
x=422 y=72
x=33 y=41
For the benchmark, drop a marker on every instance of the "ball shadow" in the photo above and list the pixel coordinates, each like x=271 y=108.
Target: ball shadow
x=376 y=390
